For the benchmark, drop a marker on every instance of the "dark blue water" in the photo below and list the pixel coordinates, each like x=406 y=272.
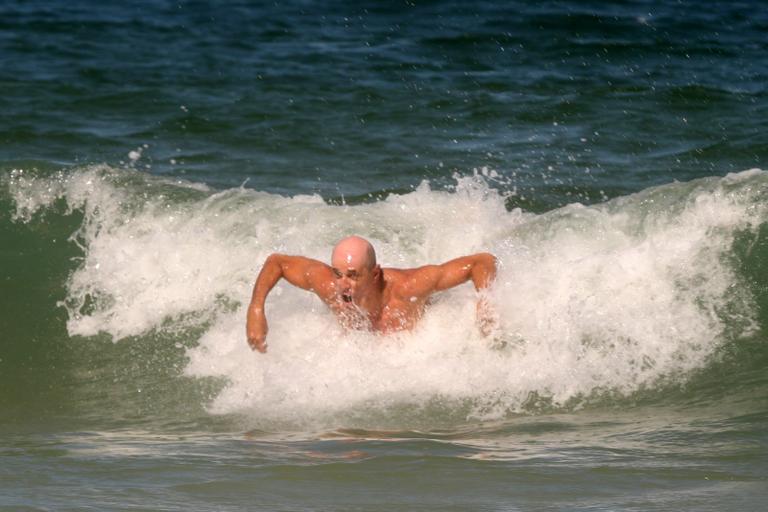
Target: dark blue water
x=153 y=153
x=350 y=99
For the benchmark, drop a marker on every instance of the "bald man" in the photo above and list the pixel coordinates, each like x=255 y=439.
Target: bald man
x=363 y=295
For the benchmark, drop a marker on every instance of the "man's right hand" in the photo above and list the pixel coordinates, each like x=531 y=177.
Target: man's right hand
x=305 y=273
x=256 y=329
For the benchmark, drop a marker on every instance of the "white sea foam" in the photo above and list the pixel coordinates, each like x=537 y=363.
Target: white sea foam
x=613 y=297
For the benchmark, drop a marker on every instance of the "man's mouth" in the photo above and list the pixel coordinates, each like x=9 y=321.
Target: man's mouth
x=346 y=297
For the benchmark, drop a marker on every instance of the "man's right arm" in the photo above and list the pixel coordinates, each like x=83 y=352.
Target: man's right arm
x=302 y=272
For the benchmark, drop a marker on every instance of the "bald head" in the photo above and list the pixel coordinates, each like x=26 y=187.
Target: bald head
x=353 y=252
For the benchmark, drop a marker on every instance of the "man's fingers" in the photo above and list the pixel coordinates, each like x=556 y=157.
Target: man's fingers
x=487 y=327
x=487 y=318
x=260 y=345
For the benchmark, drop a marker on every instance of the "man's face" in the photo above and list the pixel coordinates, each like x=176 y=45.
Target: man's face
x=352 y=281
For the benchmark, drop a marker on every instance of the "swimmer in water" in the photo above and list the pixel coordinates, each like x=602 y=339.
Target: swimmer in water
x=363 y=295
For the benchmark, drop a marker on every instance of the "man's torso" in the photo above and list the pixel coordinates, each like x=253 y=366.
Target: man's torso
x=397 y=310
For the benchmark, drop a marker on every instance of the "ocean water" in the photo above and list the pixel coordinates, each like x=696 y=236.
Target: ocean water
x=613 y=157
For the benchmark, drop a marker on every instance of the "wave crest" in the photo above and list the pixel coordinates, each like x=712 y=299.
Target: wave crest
x=614 y=297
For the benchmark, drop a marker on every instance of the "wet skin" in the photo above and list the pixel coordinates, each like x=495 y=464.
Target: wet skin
x=368 y=297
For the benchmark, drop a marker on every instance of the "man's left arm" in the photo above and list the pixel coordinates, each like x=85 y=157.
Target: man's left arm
x=479 y=268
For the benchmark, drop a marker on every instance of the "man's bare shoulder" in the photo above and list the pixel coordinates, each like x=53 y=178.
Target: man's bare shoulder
x=399 y=275
x=320 y=275
x=307 y=273
x=405 y=282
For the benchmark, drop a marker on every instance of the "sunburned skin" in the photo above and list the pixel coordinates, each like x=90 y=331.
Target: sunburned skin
x=363 y=295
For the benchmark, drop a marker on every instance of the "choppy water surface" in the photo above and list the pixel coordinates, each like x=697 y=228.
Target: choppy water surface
x=610 y=156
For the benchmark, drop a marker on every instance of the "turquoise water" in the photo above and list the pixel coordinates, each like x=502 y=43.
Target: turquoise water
x=152 y=155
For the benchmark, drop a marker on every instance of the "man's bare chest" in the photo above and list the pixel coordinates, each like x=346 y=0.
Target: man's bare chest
x=398 y=315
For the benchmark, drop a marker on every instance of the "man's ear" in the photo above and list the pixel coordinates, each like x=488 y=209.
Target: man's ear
x=377 y=271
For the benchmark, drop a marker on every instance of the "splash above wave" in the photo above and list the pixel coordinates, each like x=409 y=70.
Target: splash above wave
x=610 y=298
